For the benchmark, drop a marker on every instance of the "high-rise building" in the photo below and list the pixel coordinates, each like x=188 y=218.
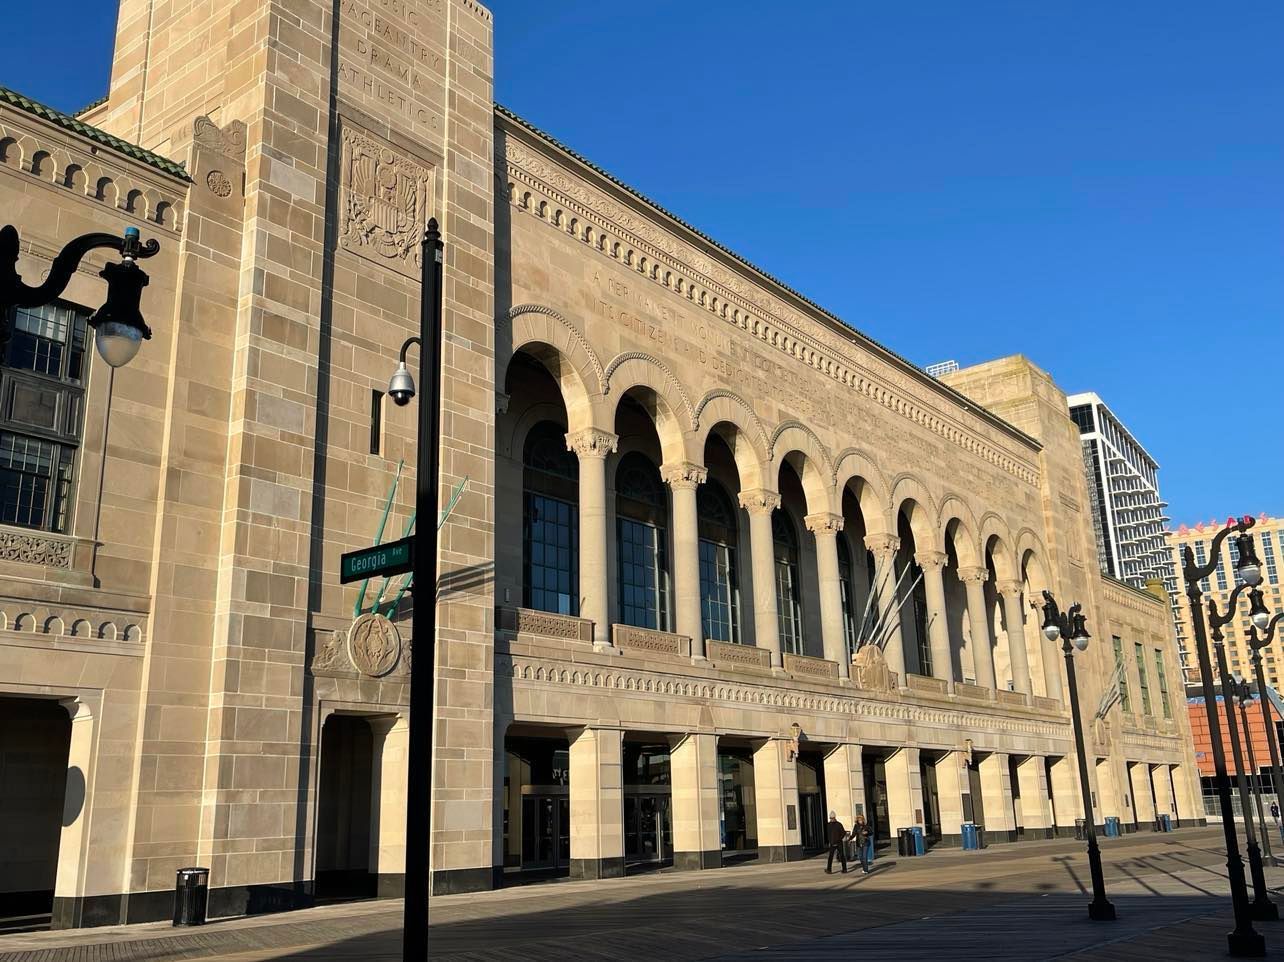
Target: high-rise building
x=1123 y=487
x=1268 y=533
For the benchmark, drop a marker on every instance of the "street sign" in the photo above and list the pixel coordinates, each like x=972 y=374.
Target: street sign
x=393 y=558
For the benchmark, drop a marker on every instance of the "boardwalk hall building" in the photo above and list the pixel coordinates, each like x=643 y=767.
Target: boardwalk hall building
x=680 y=482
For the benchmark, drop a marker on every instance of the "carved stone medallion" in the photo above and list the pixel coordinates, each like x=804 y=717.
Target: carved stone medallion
x=384 y=202
x=374 y=645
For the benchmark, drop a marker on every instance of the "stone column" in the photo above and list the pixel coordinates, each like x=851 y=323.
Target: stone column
x=904 y=790
x=1014 y=617
x=1067 y=805
x=766 y=619
x=775 y=779
x=1052 y=656
x=390 y=742
x=597 y=803
x=683 y=479
x=1143 y=803
x=938 y=627
x=592 y=446
x=996 y=797
x=982 y=645
x=71 y=882
x=697 y=814
x=951 y=785
x=824 y=527
x=1036 y=813
x=845 y=783
x=884 y=548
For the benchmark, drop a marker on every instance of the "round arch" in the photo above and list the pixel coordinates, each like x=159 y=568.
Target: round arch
x=794 y=443
x=957 y=521
x=650 y=381
x=552 y=340
x=922 y=513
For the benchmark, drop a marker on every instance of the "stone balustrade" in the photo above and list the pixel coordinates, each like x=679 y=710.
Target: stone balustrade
x=650 y=642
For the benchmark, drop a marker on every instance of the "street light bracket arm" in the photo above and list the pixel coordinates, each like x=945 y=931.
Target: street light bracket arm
x=1194 y=573
x=1260 y=641
x=405 y=347
x=1215 y=621
x=15 y=293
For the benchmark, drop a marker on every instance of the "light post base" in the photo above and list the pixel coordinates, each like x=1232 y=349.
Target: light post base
x=1100 y=910
x=1264 y=910
x=1246 y=945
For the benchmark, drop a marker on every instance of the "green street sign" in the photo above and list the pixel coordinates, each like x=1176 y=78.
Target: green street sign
x=393 y=558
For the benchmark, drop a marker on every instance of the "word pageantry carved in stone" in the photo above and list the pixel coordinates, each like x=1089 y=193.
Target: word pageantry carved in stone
x=385 y=202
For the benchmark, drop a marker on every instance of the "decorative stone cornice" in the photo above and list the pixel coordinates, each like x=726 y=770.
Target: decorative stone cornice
x=976 y=574
x=930 y=560
x=759 y=501
x=824 y=522
x=684 y=475
x=592 y=443
x=882 y=545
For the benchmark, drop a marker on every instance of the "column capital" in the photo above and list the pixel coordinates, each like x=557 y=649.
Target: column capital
x=882 y=545
x=975 y=574
x=592 y=443
x=824 y=523
x=501 y=402
x=759 y=501
x=683 y=475
x=1009 y=587
x=930 y=560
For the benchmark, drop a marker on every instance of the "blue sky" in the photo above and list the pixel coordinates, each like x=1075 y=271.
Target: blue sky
x=1096 y=185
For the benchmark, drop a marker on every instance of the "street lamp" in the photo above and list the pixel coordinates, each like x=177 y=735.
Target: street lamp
x=1261 y=619
x=401 y=387
x=119 y=328
x=1243 y=940
x=1264 y=909
x=1072 y=629
x=1243 y=695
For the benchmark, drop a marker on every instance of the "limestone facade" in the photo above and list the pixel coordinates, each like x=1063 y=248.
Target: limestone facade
x=679 y=481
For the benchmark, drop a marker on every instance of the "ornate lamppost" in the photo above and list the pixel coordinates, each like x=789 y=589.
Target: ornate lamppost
x=1261 y=620
x=119 y=328
x=1244 y=695
x=1071 y=628
x=1243 y=940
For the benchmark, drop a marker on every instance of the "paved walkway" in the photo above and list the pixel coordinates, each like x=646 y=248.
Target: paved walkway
x=1019 y=901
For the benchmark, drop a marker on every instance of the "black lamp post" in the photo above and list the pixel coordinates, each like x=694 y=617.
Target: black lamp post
x=1263 y=908
x=1261 y=619
x=1243 y=940
x=1243 y=695
x=119 y=328
x=414 y=939
x=1071 y=628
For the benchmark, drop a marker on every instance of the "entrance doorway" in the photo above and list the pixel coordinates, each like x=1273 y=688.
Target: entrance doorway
x=931 y=801
x=537 y=806
x=874 y=772
x=738 y=803
x=811 y=803
x=648 y=819
x=35 y=738
x=973 y=804
x=1015 y=781
x=343 y=810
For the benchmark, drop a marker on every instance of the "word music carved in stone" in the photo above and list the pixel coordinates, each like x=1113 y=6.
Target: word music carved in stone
x=384 y=205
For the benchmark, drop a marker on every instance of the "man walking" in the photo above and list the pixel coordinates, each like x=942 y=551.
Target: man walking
x=837 y=843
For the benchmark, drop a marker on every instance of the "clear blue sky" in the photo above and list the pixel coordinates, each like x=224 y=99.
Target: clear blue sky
x=1097 y=185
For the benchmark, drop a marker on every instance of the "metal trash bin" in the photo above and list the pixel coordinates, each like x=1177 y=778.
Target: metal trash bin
x=980 y=836
x=905 y=844
x=920 y=844
x=1078 y=829
x=1112 y=826
x=970 y=841
x=191 y=895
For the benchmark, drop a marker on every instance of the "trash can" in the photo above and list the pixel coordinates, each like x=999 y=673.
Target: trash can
x=980 y=836
x=1078 y=829
x=191 y=892
x=905 y=845
x=1112 y=826
x=971 y=841
x=1165 y=823
x=920 y=844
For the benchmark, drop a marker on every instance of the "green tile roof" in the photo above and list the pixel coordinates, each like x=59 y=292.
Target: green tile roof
x=846 y=329
x=68 y=122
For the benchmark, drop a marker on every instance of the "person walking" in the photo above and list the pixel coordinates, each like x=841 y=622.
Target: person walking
x=1275 y=814
x=860 y=836
x=837 y=835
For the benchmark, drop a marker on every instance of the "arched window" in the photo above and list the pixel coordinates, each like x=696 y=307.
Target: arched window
x=641 y=522
x=848 y=593
x=550 y=522
x=788 y=585
x=719 y=586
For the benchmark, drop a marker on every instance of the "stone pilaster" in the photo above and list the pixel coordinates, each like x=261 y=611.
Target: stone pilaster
x=72 y=885
x=825 y=527
x=697 y=839
x=1067 y=804
x=885 y=547
x=904 y=789
x=597 y=803
x=938 y=629
x=1143 y=802
x=982 y=644
x=1032 y=783
x=683 y=479
x=592 y=447
x=951 y=785
x=1014 y=618
x=389 y=763
x=775 y=777
x=766 y=618
x=996 y=795
x=845 y=783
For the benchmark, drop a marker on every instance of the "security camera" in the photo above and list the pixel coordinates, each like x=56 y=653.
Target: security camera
x=401 y=386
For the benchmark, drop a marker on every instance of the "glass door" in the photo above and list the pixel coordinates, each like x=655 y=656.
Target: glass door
x=546 y=831
x=648 y=828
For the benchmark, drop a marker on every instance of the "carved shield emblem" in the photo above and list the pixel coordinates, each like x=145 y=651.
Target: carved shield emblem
x=385 y=202
x=374 y=645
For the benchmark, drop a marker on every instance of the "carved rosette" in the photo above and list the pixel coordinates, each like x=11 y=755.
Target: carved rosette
x=760 y=501
x=384 y=198
x=592 y=443
x=684 y=476
x=374 y=645
x=824 y=522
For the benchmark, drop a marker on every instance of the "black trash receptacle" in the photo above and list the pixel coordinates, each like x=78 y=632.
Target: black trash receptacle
x=980 y=836
x=905 y=846
x=191 y=893
x=1078 y=829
